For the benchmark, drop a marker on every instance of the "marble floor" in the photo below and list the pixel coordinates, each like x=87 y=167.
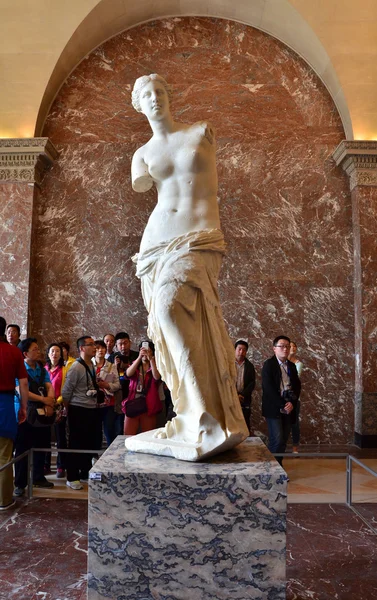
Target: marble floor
x=331 y=551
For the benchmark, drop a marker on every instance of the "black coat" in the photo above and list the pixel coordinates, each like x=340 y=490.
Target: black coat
x=271 y=399
x=248 y=382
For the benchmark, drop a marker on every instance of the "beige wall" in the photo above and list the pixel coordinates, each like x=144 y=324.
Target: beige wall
x=42 y=41
x=32 y=37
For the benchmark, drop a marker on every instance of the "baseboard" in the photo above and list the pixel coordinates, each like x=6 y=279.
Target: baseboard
x=365 y=441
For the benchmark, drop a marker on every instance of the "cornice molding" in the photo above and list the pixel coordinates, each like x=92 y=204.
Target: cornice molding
x=359 y=161
x=24 y=160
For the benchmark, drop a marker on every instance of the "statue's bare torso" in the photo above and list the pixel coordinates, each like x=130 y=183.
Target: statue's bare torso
x=182 y=165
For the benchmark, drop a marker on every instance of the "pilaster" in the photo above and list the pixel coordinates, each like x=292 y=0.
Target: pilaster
x=22 y=165
x=359 y=160
x=25 y=160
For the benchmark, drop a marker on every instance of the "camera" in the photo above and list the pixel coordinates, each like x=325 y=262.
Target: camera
x=289 y=396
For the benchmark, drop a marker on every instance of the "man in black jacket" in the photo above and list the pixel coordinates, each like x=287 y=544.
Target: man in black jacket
x=281 y=389
x=245 y=378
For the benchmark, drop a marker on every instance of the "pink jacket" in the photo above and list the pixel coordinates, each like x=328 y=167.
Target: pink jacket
x=154 y=404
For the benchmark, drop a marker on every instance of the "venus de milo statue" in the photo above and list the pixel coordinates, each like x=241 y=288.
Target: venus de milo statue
x=179 y=261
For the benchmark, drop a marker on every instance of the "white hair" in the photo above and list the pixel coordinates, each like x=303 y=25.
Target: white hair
x=141 y=82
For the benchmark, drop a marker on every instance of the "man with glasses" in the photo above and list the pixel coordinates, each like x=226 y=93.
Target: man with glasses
x=84 y=419
x=281 y=389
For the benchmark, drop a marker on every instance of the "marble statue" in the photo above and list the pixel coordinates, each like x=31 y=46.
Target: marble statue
x=178 y=264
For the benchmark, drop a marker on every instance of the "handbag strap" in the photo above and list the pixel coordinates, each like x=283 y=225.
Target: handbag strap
x=149 y=382
x=40 y=381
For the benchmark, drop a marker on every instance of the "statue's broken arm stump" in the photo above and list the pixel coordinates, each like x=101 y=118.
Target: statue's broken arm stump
x=163 y=528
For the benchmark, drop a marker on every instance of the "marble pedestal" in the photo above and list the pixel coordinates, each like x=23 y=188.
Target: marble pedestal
x=164 y=529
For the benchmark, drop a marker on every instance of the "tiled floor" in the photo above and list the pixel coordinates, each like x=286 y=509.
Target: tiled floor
x=323 y=480
x=331 y=552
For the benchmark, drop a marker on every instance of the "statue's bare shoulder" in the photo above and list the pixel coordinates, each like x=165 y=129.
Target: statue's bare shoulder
x=141 y=179
x=207 y=130
x=199 y=130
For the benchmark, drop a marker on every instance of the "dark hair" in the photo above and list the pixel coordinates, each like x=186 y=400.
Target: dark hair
x=100 y=343
x=151 y=345
x=25 y=344
x=61 y=359
x=3 y=325
x=65 y=345
x=280 y=337
x=121 y=336
x=243 y=343
x=16 y=327
x=81 y=341
x=112 y=335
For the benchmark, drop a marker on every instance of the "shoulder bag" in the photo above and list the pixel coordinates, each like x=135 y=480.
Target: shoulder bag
x=35 y=412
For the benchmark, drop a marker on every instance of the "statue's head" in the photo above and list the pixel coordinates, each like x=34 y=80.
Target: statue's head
x=141 y=82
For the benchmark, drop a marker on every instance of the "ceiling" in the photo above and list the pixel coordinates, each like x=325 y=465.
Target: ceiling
x=41 y=42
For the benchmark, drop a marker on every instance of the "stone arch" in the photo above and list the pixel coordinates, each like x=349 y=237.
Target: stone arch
x=279 y=19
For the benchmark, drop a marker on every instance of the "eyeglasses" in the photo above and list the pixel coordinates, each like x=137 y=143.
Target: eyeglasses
x=282 y=346
x=91 y=344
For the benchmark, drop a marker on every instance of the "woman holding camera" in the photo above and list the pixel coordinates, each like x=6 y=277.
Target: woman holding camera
x=143 y=402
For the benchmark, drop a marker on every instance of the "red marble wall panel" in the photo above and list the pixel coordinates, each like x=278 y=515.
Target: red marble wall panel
x=16 y=205
x=285 y=207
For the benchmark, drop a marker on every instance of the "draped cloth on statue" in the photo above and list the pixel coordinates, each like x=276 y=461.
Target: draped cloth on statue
x=193 y=351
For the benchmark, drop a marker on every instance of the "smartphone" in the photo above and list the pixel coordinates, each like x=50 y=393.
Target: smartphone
x=145 y=345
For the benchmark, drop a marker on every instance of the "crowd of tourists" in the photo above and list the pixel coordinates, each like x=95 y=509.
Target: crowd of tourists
x=84 y=403
x=81 y=404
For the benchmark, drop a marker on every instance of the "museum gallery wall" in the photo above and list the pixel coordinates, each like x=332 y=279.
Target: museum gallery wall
x=285 y=207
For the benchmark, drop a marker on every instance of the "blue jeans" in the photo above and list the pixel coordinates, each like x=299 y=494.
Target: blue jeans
x=278 y=434
x=110 y=420
x=119 y=424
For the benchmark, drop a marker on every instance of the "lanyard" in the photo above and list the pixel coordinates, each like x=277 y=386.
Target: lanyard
x=287 y=370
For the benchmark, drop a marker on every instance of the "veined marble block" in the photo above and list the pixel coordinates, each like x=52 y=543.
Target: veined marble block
x=164 y=529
